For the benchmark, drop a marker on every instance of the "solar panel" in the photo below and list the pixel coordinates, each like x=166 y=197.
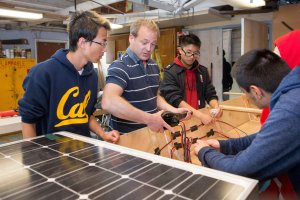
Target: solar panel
x=69 y=166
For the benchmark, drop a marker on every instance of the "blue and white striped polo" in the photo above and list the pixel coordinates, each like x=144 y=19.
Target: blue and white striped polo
x=140 y=85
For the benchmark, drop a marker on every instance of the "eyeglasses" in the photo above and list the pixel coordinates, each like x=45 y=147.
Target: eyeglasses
x=102 y=44
x=189 y=54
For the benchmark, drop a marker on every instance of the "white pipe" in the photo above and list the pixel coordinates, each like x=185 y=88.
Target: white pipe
x=187 y=6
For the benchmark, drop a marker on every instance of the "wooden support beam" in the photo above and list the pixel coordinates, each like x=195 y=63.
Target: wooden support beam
x=233 y=93
x=14 y=41
x=241 y=109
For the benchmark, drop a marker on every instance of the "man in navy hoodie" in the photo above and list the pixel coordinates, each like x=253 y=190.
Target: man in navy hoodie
x=60 y=93
x=275 y=150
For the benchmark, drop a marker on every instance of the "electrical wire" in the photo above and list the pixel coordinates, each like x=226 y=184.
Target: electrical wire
x=222 y=134
x=165 y=145
x=186 y=142
x=232 y=127
x=193 y=126
x=172 y=152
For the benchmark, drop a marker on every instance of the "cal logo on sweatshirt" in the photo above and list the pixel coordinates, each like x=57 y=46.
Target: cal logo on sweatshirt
x=77 y=114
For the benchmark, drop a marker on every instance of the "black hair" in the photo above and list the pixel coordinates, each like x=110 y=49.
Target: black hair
x=189 y=39
x=260 y=67
x=85 y=24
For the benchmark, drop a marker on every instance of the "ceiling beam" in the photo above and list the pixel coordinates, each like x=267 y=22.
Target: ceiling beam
x=30 y=5
x=89 y=5
x=155 y=4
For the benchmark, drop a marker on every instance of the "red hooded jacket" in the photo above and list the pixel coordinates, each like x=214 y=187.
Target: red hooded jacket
x=289 y=48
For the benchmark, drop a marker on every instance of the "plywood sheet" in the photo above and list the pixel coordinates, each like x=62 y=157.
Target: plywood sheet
x=288 y=14
x=232 y=124
x=254 y=35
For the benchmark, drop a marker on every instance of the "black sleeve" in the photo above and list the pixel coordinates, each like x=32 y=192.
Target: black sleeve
x=170 y=89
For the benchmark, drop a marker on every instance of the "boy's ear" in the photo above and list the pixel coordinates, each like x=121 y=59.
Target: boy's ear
x=179 y=50
x=81 y=42
x=256 y=91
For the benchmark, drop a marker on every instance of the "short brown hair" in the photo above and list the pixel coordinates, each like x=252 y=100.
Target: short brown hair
x=85 y=24
x=135 y=27
x=260 y=67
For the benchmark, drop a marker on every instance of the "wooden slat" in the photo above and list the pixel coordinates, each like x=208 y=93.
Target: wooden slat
x=241 y=109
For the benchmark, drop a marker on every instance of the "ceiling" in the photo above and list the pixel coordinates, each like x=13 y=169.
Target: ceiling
x=166 y=12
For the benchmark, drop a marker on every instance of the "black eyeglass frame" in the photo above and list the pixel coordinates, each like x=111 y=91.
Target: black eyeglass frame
x=102 y=44
x=195 y=55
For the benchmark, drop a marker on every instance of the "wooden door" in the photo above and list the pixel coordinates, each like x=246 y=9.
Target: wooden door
x=121 y=44
x=167 y=46
x=116 y=43
x=254 y=35
x=46 y=49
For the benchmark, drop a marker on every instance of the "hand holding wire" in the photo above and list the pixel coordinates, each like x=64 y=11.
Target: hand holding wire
x=199 y=145
x=216 y=112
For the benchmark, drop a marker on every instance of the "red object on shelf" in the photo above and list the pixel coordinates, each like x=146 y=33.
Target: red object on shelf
x=8 y=113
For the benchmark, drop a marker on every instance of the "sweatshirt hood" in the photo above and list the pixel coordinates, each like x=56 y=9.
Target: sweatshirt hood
x=288 y=46
x=178 y=62
x=289 y=82
x=61 y=56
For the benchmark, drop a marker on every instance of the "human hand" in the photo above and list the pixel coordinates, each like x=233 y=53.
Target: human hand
x=185 y=110
x=199 y=145
x=206 y=143
x=216 y=112
x=205 y=119
x=213 y=143
x=112 y=136
x=156 y=123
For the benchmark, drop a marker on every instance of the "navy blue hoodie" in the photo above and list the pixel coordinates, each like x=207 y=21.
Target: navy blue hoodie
x=57 y=97
x=275 y=149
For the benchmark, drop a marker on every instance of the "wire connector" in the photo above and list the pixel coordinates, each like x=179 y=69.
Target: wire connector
x=175 y=135
x=177 y=145
x=210 y=133
x=194 y=128
x=157 y=151
x=194 y=140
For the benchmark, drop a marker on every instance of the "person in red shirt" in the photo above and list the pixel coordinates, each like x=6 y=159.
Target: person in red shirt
x=186 y=83
x=288 y=48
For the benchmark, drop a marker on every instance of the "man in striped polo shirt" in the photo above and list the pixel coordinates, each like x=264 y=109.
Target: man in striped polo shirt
x=131 y=91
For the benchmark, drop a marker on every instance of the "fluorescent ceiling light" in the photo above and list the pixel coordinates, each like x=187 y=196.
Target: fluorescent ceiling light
x=115 y=26
x=255 y=3
x=20 y=14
